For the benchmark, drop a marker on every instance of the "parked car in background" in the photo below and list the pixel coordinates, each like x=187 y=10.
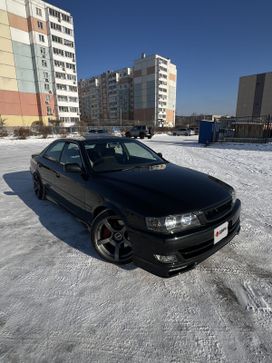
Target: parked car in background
x=116 y=131
x=97 y=131
x=138 y=206
x=184 y=132
x=140 y=131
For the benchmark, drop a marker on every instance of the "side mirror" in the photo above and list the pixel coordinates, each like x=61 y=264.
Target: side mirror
x=72 y=168
x=159 y=154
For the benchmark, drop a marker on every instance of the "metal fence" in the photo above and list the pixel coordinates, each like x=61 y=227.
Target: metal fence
x=245 y=129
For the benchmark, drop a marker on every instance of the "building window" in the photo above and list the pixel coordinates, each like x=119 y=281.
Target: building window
x=47 y=98
x=43 y=51
x=67 y=31
x=69 y=55
x=46 y=86
x=41 y=38
x=61 y=87
x=46 y=76
x=68 y=43
x=49 y=111
x=59 y=64
x=71 y=77
x=73 y=88
x=73 y=109
x=56 y=39
x=44 y=63
x=63 y=98
x=66 y=18
x=38 y=11
x=63 y=108
x=71 y=66
x=60 y=75
x=73 y=99
x=54 y=13
x=55 y=26
x=58 y=51
x=40 y=24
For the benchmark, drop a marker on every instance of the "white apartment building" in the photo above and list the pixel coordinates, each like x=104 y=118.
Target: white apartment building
x=62 y=46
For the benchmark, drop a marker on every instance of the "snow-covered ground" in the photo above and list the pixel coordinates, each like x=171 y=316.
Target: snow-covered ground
x=60 y=303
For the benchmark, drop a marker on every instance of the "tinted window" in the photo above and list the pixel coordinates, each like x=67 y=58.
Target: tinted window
x=71 y=155
x=54 y=151
x=135 y=150
x=118 y=155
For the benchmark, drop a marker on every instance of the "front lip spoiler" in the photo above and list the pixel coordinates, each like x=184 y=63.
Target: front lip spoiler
x=164 y=270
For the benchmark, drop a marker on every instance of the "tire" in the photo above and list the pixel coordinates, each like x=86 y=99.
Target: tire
x=149 y=136
x=128 y=134
x=110 y=239
x=38 y=186
x=142 y=135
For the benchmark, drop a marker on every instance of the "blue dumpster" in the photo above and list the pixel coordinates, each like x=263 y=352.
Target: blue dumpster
x=208 y=131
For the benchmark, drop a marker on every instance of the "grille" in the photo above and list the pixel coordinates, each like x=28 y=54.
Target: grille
x=194 y=251
x=217 y=212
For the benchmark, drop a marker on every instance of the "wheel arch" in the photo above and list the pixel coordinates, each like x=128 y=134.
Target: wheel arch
x=109 y=207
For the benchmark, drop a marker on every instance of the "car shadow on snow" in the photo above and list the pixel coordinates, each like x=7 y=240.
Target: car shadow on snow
x=59 y=222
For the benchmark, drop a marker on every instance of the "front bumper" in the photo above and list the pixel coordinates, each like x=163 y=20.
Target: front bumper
x=190 y=247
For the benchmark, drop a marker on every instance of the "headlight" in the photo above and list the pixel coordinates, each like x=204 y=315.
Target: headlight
x=172 y=223
x=233 y=195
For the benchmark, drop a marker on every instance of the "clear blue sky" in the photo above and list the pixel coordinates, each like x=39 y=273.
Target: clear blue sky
x=212 y=43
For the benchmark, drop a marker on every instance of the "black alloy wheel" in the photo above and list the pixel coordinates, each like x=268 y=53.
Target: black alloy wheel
x=38 y=186
x=110 y=238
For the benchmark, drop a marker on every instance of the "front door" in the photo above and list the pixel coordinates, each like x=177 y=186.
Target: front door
x=72 y=186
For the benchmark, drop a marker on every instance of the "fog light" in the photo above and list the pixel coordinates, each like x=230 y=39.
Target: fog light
x=166 y=259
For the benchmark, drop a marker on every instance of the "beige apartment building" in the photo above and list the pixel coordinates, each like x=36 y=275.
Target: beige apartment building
x=154 y=81
x=144 y=93
x=254 y=96
x=107 y=97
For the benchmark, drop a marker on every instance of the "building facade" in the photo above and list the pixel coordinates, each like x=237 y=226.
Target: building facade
x=255 y=95
x=144 y=93
x=107 y=97
x=38 y=80
x=154 y=81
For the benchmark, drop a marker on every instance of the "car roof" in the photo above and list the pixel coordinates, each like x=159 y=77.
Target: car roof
x=93 y=137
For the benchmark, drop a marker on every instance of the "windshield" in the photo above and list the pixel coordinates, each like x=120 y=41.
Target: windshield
x=120 y=155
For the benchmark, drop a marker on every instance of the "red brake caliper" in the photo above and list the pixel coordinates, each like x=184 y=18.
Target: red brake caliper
x=106 y=233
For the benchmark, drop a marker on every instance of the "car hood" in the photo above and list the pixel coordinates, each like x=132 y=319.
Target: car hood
x=165 y=189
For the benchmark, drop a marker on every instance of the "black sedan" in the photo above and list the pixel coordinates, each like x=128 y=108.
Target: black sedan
x=138 y=206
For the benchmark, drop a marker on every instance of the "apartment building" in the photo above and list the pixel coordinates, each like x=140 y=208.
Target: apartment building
x=154 y=82
x=107 y=97
x=254 y=96
x=38 y=79
x=146 y=92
